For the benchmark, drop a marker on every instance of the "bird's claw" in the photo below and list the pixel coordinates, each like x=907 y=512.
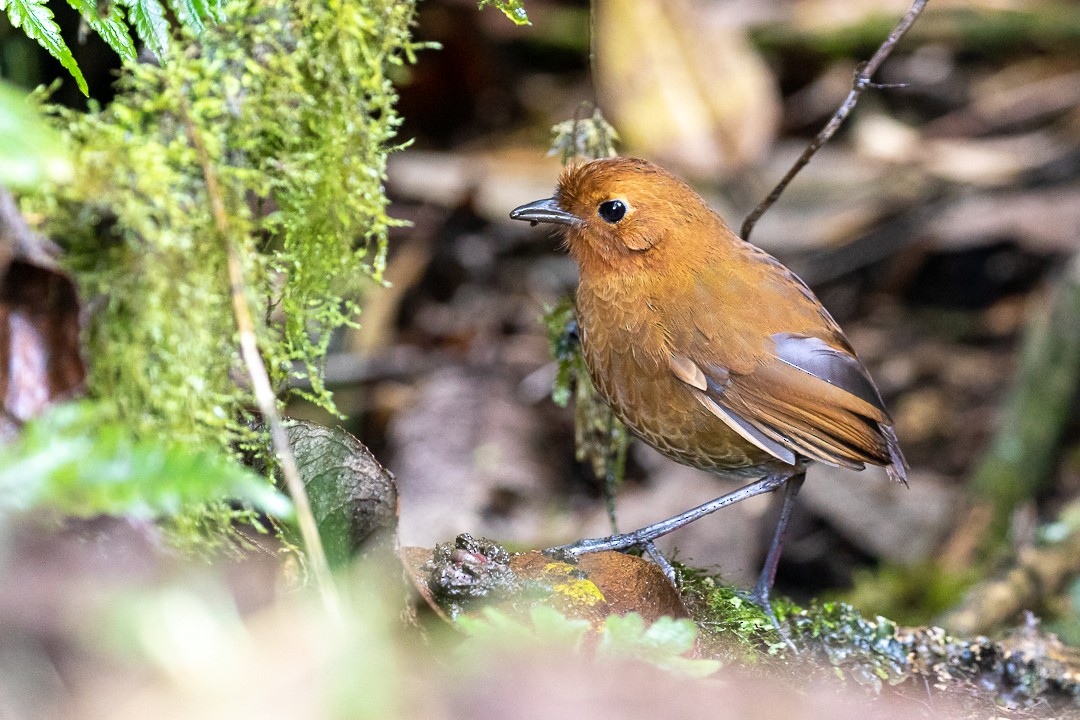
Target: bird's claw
x=662 y=562
x=762 y=601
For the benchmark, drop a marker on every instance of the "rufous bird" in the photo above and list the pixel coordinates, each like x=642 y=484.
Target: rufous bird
x=707 y=347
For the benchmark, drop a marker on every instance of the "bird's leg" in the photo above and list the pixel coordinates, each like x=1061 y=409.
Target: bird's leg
x=764 y=585
x=662 y=562
x=645 y=535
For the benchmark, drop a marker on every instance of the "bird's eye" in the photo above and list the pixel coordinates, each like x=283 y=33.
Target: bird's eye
x=612 y=211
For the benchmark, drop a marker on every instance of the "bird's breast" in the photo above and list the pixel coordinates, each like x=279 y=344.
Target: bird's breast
x=626 y=348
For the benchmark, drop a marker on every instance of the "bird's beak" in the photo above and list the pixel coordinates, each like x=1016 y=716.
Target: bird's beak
x=544 y=211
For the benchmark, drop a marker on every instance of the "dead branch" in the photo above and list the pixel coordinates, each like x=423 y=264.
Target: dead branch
x=260 y=380
x=861 y=82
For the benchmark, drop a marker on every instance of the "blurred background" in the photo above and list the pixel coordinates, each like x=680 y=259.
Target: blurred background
x=940 y=227
x=936 y=227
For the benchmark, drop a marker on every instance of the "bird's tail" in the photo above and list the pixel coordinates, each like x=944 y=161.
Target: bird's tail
x=898 y=466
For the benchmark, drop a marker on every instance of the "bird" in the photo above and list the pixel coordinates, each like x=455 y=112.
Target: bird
x=708 y=348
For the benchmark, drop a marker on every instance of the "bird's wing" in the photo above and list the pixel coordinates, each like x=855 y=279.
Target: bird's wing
x=801 y=397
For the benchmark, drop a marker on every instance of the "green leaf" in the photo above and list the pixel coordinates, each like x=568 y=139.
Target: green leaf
x=114 y=31
x=111 y=27
x=561 y=324
x=37 y=22
x=512 y=9
x=31 y=152
x=547 y=627
x=671 y=635
x=191 y=13
x=664 y=643
x=215 y=10
x=622 y=633
x=73 y=461
x=354 y=499
x=148 y=17
x=550 y=623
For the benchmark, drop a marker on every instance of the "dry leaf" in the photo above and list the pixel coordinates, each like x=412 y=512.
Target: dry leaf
x=681 y=86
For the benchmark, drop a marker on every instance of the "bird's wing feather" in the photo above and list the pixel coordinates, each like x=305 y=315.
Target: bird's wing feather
x=750 y=431
x=836 y=366
x=802 y=397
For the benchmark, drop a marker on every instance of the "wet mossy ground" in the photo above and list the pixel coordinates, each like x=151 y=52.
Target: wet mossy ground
x=1028 y=673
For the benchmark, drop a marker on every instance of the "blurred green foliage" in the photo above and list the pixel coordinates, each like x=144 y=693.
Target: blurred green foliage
x=665 y=643
x=192 y=649
x=909 y=594
x=31 y=152
x=71 y=462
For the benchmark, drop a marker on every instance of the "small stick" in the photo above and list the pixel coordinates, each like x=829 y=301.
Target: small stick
x=861 y=82
x=260 y=382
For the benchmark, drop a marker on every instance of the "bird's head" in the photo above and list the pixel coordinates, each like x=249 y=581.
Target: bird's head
x=619 y=213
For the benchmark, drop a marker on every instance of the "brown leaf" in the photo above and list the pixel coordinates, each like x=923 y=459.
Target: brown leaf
x=40 y=362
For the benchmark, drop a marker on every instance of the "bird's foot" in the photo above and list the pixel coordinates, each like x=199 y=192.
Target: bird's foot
x=645 y=536
x=622 y=542
x=662 y=562
x=760 y=597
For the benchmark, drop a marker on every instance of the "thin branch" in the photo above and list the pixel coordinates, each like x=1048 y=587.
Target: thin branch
x=19 y=242
x=260 y=380
x=12 y=225
x=862 y=81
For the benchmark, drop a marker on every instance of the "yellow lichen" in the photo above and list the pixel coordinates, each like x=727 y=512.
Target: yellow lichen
x=578 y=590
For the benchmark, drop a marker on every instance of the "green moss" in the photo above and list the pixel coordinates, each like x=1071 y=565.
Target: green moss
x=727 y=614
x=296 y=110
x=866 y=651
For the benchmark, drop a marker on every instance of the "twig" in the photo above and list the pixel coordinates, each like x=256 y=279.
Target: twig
x=260 y=381
x=11 y=224
x=19 y=242
x=861 y=82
